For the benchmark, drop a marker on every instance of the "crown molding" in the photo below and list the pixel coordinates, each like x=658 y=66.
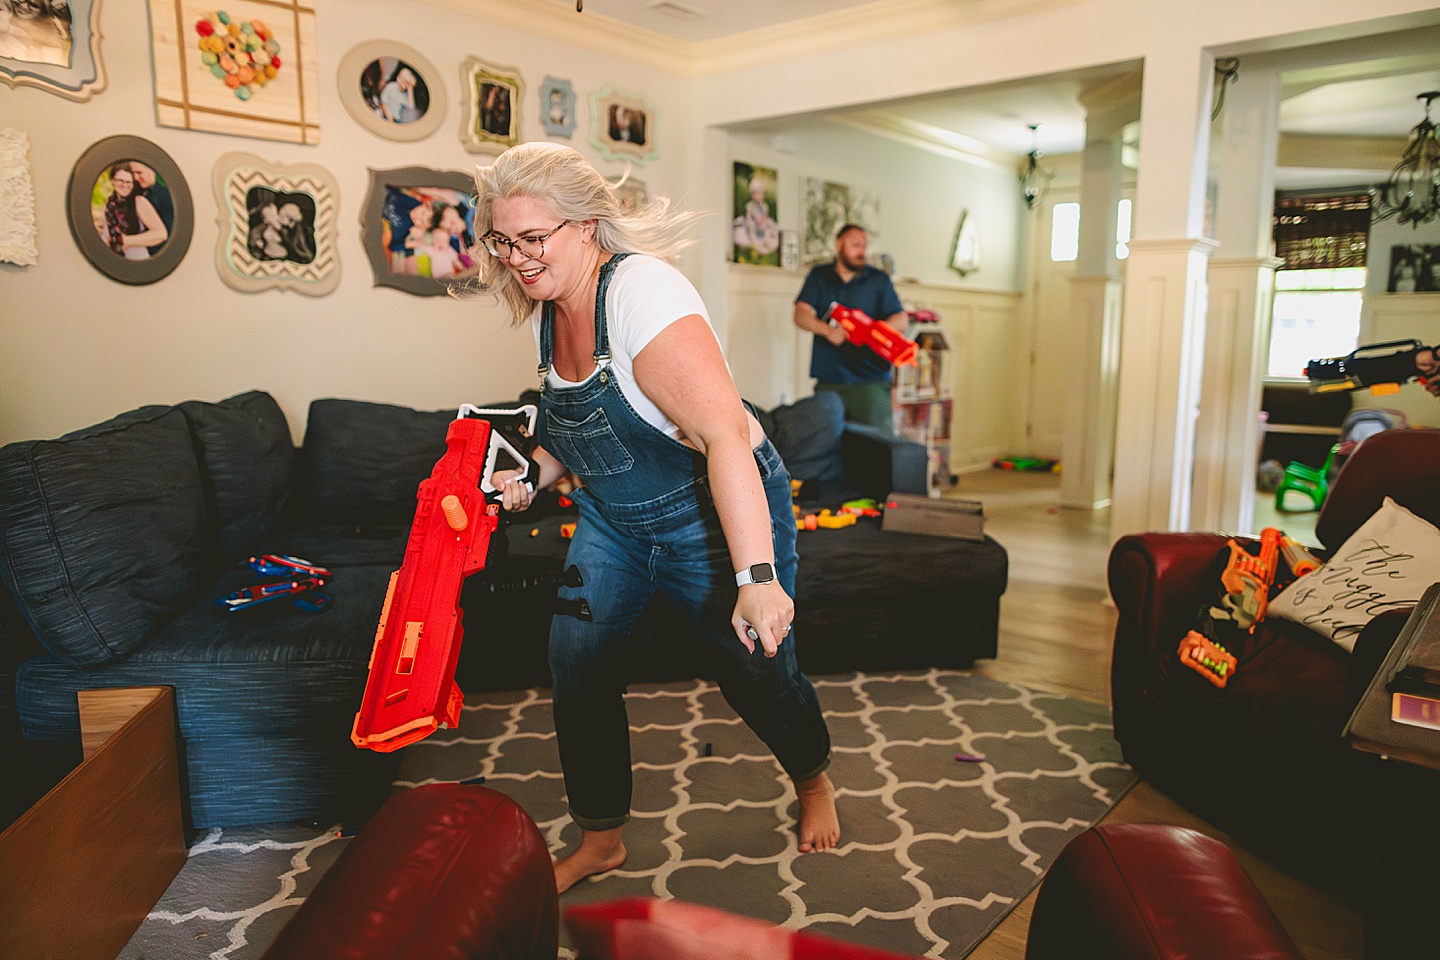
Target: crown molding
x=915 y=133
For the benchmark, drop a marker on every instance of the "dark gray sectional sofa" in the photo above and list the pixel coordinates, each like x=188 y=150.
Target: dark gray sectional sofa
x=116 y=540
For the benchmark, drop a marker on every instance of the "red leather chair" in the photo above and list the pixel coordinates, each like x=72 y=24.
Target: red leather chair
x=444 y=870
x=1147 y=891
x=1263 y=758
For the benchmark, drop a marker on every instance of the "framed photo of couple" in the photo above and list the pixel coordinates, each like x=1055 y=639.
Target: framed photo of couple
x=622 y=125
x=418 y=229
x=391 y=90
x=277 y=226
x=490 y=121
x=130 y=210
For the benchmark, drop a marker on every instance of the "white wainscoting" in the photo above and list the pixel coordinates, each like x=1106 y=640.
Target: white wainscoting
x=989 y=346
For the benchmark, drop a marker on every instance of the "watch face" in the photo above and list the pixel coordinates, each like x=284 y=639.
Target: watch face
x=762 y=573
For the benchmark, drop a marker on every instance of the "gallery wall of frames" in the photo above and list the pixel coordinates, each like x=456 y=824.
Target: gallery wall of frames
x=203 y=199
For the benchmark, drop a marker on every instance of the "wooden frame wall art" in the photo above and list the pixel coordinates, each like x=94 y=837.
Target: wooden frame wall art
x=54 y=46
x=277 y=226
x=622 y=125
x=557 y=107
x=418 y=229
x=391 y=90
x=130 y=210
x=247 y=68
x=490 y=114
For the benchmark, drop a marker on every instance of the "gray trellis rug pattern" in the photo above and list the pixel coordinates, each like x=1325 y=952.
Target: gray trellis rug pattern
x=935 y=851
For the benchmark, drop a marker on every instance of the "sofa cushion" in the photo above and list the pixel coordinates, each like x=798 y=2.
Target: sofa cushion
x=807 y=434
x=102 y=532
x=363 y=461
x=248 y=458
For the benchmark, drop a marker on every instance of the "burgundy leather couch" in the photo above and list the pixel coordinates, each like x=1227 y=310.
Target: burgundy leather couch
x=1263 y=758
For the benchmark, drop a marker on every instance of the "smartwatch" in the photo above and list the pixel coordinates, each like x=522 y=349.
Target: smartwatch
x=759 y=573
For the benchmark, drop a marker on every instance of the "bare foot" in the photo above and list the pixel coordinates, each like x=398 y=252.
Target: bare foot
x=600 y=850
x=819 y=823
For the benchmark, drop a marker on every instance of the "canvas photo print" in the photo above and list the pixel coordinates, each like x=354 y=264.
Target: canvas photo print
x=754 y=230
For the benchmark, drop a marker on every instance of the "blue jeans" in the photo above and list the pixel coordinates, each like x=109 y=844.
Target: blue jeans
x=680 y=551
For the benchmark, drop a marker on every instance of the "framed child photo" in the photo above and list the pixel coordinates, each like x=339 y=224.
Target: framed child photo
x=622 y=125
x=277 y=226
x=490 y=120
x=53 y=45
x=418 y=229
x=557 y=107
x=391 y=90
x=130 y=210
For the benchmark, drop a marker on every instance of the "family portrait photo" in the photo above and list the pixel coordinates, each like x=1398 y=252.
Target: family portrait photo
x=132 y=210
x=428 y=232
x=282 y=225
x=1414 y=268
x=36 y=31
x=755 y=232
x=394 y=90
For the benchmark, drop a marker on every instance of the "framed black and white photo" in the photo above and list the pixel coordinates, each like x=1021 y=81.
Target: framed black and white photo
x=277 y=226
x=557 y=107
x=622 y=125
x=53 y=45
x=490 y=118
x=391 y=90
x=418 y=229
x=130 y=210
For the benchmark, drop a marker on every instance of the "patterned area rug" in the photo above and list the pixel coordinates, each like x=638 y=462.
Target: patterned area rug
x=935 y=850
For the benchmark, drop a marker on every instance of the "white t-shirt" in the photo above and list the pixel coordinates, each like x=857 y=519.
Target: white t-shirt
x=646 y=295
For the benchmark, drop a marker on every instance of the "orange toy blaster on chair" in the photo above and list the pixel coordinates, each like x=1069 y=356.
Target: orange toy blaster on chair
x=411 y=690
x=863 y=331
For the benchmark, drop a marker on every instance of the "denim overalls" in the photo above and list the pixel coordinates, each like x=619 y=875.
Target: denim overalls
x=647 y=523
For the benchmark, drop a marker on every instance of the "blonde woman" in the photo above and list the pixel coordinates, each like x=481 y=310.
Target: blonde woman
x=683 y=494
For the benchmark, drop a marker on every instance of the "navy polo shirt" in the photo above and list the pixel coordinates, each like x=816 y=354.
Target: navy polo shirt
x=869 y=290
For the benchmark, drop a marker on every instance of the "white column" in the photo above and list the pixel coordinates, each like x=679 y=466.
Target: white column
x=1162 y=339
x=1242 y=278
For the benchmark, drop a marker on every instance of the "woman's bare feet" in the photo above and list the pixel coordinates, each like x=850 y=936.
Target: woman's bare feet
x=819 y=823
x=600 y=850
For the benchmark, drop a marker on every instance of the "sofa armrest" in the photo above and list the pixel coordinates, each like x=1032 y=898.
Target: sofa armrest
x=878 y=463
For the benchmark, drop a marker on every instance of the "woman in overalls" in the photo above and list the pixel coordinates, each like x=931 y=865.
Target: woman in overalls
x=682 y=493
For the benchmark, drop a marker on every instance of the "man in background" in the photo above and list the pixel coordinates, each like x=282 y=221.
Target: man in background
x=858 y=374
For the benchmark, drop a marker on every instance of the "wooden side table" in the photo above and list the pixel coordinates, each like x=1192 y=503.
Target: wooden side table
x=80 y=870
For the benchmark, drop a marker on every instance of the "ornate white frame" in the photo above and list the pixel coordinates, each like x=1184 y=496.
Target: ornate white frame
x=234 y=176
x=348 y=79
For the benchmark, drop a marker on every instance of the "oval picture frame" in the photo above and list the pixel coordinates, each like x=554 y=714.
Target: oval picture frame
x=80 y=192
x=351 y=81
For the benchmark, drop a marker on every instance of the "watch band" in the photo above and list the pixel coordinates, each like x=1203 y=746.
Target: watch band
x=758 y=573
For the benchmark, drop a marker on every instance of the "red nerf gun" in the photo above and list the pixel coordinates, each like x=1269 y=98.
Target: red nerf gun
x=861 y=330
x=411 y=690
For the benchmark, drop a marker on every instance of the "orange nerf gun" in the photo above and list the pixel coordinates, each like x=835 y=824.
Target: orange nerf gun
x=862 y=330
x=1247 y=580
x=411 y=691
x=1207 y=658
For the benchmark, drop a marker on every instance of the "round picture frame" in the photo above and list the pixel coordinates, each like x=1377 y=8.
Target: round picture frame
x=362 y=102
x=80 y=194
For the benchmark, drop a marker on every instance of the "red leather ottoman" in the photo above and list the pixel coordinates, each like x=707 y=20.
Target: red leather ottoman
x=1146 y=891
x=441 y=872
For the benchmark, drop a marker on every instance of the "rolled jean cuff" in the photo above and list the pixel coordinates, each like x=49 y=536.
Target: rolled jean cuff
x=824 y=765
x=606 y=823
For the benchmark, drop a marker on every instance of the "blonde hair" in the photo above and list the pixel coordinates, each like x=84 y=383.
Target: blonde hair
x=565 y=182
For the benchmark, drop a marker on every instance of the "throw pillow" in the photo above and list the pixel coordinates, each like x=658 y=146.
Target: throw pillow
x=248 y=458
x=1385 y=565
x=647 y=928
x=807 y=434
x=102 y=533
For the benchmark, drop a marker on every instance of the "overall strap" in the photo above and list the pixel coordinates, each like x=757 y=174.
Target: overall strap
x=547 y=336
x=602 y=334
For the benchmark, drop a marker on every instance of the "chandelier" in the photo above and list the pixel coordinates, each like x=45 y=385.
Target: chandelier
x=1412 y=194
x=1033 y=178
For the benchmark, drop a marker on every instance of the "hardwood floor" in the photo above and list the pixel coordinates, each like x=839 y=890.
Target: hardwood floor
x=1056 y=625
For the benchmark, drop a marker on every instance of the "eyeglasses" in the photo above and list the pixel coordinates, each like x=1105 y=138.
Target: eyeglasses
x=532 y=248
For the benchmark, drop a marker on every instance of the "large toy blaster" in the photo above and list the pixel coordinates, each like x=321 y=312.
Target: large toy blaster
x=1247 y=580
x=861 y=330
x=411 y=691
x=1383 y=367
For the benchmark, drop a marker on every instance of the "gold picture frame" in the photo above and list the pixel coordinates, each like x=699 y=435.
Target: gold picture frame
x=490 y=99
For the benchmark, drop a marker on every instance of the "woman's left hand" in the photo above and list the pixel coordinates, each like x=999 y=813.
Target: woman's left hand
x=766 y=608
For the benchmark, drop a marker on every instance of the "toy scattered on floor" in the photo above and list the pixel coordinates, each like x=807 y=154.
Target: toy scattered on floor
x=301 y=583
x=862 y=508
x=863 y=331
x=567 y=531
x=828 y=519
x=1207 y=658
x=411 y=689
x=1026 y=464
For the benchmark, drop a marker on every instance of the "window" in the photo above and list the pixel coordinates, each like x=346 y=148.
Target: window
x=1065 y=231
x=1323 y=239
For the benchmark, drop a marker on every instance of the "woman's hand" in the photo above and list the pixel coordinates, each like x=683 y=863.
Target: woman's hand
x=515 y=496
x=767 y=609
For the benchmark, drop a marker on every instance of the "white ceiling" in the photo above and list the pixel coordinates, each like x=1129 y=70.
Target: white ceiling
x=1352 y=99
